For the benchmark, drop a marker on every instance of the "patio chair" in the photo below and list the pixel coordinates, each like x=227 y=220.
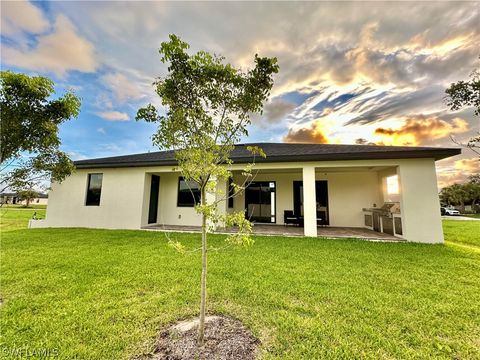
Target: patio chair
x=289 y=218
x=321 y=218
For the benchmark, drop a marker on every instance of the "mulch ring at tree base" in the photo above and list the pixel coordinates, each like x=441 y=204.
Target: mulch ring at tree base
x=225 y=339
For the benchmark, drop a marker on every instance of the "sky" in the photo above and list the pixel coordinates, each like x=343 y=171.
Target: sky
x=350 y=72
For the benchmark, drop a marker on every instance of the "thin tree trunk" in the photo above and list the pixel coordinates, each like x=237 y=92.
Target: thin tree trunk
x=203 y=292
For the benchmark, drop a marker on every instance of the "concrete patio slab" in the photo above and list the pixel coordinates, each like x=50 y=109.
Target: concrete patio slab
x=281 y=230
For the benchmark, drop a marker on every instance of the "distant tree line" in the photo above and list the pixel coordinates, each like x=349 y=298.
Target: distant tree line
x=462 y=194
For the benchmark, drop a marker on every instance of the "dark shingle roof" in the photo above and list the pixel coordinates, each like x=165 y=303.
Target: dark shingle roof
x=283 y=152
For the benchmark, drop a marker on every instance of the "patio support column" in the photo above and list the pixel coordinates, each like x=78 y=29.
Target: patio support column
x=309 y=202
x=210 y=198
x=222 y=193
x=419 y=201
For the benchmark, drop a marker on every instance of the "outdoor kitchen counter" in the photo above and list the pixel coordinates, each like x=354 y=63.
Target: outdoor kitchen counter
x=386 y=219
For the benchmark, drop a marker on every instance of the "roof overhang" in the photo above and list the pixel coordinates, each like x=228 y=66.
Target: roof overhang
x=430 y=153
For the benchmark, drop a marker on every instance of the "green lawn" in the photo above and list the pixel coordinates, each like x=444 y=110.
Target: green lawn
x=20 y=206
x=100 y=294
x=463 y=232
x=14 y=218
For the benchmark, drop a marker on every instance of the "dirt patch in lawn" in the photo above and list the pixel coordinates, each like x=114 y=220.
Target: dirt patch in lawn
x=225 y=338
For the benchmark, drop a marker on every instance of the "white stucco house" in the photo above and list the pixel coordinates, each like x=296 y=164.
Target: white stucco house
x=308 y=187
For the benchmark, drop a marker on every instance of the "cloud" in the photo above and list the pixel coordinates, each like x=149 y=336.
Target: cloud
x=394 y=103
x=123 y=87
x=57 y=52
x=452 y=171
x=468 y=165
x=22 y=16
x=274 y=112
x=350 y=42
x=101 y=130
x=113 y=115
x=405 y=65
x=103 y=101
x=402 y=55
x=363 y=141
x=77 y=155
x=419 y=129
x=311 y=135
x=277 y=110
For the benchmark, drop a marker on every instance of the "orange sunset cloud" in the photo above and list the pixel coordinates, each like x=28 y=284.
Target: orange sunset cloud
x=417 y=130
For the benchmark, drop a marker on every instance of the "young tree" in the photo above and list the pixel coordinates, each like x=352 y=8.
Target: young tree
x=29 y=130
x=208 y=107
x=465 y=94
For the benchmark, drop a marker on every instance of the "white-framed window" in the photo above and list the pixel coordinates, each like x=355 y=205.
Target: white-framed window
x=392 y=185
x=94 y=189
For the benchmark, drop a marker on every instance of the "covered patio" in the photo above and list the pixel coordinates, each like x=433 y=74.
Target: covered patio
x=296 y=200
x=324 y=201
x=332 y=232
x=379 y=199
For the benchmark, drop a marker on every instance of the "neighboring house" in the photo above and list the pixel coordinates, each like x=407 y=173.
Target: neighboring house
x=8 y=198
x=385 y=188
x=13 y=198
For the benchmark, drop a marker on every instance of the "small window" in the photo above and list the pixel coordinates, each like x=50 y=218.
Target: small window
x=188 y=193
x=94 y=189
x=392 y=185
x=231 y=193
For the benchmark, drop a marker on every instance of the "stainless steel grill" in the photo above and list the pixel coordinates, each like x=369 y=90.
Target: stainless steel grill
x=383 y=219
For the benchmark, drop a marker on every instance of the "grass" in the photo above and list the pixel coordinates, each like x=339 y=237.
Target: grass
x=17 y=218
x=105 y=294
x=20 y=206
x=463 y=232
x=476 y=216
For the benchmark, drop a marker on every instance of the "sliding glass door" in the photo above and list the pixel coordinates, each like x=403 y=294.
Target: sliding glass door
x=260 y=201
x=321 y=191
